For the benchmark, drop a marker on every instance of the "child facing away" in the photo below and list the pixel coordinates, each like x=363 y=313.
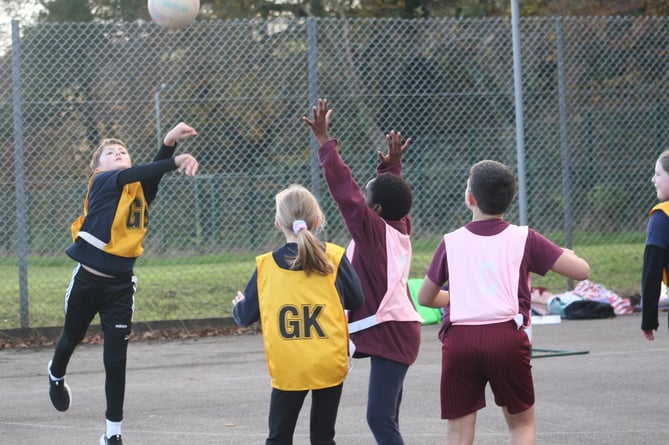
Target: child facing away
x=299 y=292
x=387 y=327
x=656 y=252
x=487 y=265
x=107 y=240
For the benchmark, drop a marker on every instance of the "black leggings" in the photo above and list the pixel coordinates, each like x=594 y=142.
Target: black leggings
x=284 y=410
x=113 y=299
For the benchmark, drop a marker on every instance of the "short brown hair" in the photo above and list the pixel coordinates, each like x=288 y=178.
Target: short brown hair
x=493 y=184
x=664 y=160
x=95 y=159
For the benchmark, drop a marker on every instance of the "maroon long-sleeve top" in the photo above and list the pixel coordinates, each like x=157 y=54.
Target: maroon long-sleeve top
x=393 y=340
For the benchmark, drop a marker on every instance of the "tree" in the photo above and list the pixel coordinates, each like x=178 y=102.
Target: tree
x=125 y=10
x=66 y=11
x=131 y=10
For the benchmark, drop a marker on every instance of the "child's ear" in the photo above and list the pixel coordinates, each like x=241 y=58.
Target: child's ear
x=276 y=224
x=378 y=208
x=470 y=200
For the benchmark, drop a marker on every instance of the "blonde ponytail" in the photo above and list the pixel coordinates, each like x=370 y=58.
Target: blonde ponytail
x=298 y=211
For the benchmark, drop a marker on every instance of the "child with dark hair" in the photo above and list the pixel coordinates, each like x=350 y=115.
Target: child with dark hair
x=387 y=327
x=299 y=293
x=487 y=265
x=107 y=240
x=391 y=194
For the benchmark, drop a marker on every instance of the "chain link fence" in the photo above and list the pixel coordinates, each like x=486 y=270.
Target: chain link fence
x=595 y=113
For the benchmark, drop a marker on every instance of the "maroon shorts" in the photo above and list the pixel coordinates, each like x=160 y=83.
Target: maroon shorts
x=472 y=356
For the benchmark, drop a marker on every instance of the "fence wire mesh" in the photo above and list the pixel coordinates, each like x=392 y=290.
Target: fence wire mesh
x=595 y=108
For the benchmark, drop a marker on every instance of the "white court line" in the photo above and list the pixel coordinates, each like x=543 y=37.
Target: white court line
x=436 y=434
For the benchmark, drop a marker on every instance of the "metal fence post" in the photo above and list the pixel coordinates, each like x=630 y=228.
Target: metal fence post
x=312 y=61
x=564 y=143
x=20 y=191
x=156 y=99
x=520 y=138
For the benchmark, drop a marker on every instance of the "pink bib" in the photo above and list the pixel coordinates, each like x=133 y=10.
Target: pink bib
x=396 y=304
x=483 y=274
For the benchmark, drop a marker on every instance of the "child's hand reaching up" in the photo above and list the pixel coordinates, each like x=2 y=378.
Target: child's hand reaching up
x=395 y=149
x=179 y=133
x=319 y=125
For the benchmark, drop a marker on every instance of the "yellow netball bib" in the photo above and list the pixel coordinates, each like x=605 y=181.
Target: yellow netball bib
x=304 y=327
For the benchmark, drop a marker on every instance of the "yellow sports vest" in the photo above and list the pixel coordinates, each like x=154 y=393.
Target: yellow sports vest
x=664 y=206
x=304 y=327
x=129 y=226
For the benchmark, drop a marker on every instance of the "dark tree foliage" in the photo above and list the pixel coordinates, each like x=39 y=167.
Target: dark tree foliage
x=130 y=10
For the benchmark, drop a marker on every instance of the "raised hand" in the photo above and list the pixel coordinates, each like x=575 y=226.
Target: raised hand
x=180 y=132
x=395 y=149
x=320 y=122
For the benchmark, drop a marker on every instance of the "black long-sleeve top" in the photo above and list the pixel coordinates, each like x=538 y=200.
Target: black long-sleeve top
x=105 y=200
x=655 y=261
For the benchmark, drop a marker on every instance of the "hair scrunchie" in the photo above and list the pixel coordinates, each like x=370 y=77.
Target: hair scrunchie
x=299 y=224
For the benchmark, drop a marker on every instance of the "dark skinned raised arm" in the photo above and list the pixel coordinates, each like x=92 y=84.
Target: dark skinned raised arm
x=395 y=149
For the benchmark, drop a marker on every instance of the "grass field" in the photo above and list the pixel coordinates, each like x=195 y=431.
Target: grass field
x=203 y=286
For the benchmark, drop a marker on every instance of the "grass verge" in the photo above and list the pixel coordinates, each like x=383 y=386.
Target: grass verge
x=203 y=286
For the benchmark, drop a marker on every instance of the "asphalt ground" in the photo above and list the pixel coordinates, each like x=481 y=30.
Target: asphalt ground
x=215 y=390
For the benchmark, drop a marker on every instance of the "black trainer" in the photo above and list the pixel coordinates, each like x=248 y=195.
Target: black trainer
x=59 y=392
x=114 y=440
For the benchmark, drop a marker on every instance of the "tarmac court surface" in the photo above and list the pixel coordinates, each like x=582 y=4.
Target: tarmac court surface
x=215 y=390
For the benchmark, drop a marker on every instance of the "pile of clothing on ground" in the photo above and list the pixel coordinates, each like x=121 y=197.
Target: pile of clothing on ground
x=586 y=301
